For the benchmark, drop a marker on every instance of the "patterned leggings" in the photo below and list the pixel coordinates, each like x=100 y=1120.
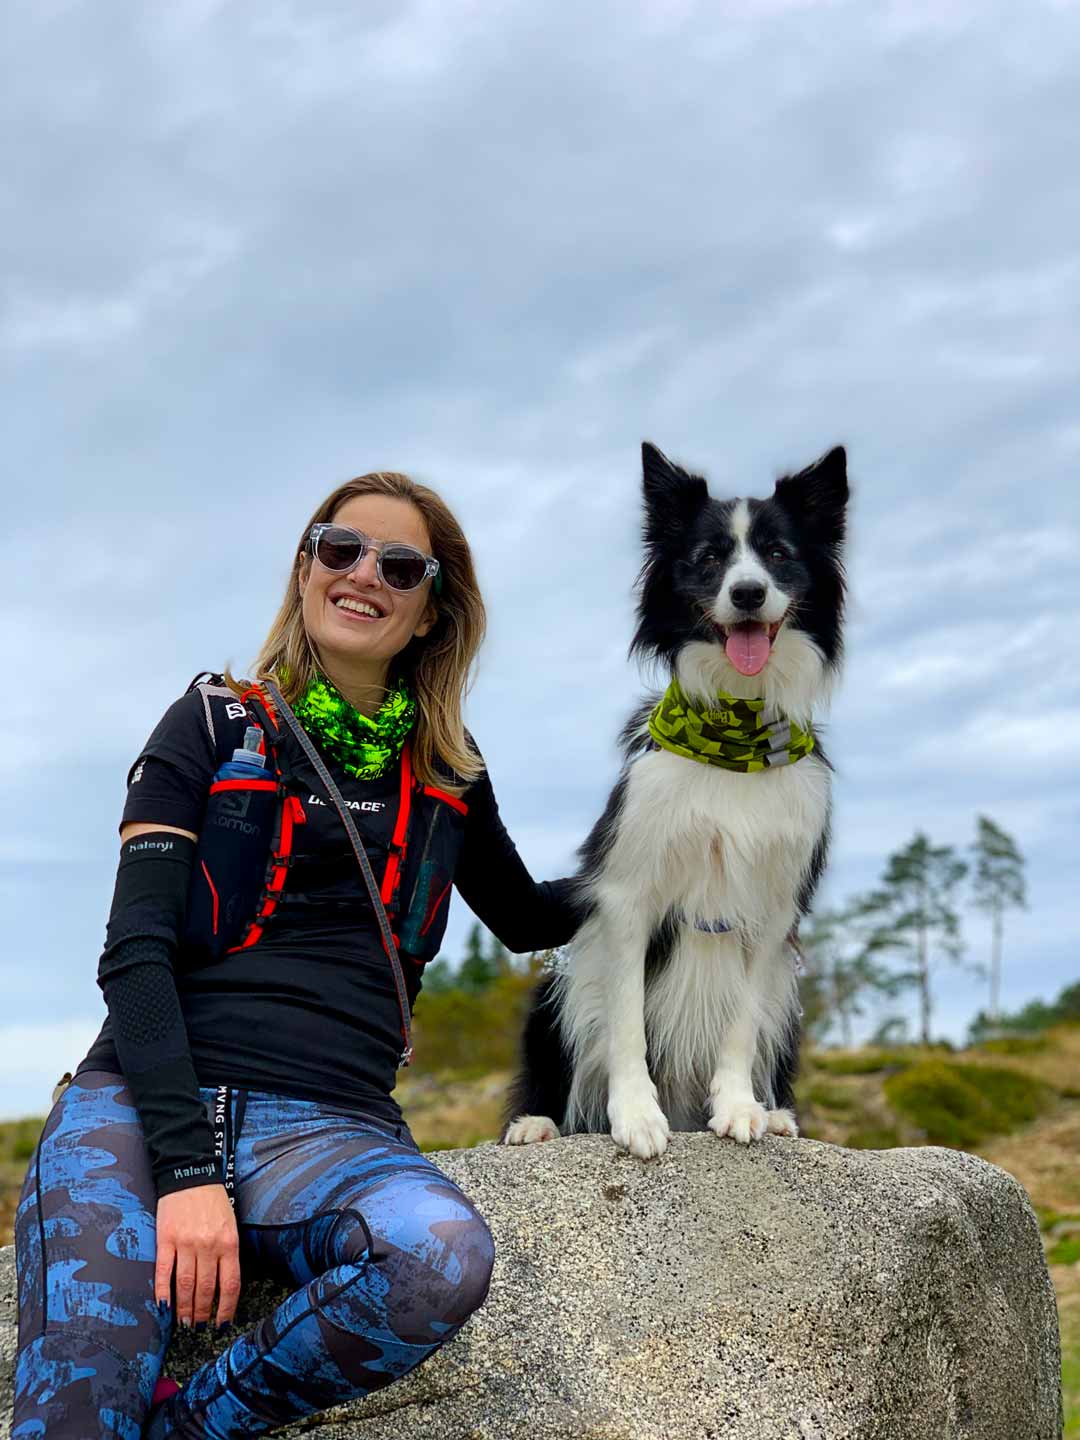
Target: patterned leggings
x=390 y=1256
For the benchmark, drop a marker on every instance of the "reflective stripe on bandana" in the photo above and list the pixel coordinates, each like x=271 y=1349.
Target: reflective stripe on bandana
x=737 y=734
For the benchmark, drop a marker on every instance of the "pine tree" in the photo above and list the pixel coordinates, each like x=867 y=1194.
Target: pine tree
x=499 y=957
x=913 y=912
x=840 y=972
x=476 y=971
x=998 y=883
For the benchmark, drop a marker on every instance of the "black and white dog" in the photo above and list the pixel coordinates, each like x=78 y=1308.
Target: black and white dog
x=679 y=1005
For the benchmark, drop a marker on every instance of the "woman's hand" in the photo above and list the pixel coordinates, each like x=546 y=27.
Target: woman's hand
x=196 y=1230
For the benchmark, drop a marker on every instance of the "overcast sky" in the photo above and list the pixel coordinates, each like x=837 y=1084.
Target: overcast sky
x=251 y=250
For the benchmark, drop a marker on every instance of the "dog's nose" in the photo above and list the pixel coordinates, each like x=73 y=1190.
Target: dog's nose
x=748 y=597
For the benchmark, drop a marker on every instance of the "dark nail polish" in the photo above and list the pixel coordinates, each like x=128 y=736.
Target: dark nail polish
x=163 y=1307
x=200 y=1325
x=223 y=1328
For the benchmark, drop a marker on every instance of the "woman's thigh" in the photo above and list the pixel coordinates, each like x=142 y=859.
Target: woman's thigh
x=90 y=1334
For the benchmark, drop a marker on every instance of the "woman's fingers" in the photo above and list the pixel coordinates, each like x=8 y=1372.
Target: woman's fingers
x=228 y=1286
x=163 y=1269
x=206 y=1274
x=186 y=1266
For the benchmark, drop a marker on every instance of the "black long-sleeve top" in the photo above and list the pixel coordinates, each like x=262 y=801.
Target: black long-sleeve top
x=311 y=1010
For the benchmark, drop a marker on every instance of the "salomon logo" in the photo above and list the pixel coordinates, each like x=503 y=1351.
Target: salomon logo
x=233 y=822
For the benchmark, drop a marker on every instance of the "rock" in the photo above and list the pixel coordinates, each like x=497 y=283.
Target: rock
x=788 y=1289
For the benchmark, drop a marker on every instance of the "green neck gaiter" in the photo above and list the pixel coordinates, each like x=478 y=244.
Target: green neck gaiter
x=737 y=734
x=362 y=747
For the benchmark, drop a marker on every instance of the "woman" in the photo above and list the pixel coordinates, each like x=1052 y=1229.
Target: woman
x=271 y=1065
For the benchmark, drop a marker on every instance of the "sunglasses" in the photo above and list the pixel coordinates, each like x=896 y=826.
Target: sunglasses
x=400 y=566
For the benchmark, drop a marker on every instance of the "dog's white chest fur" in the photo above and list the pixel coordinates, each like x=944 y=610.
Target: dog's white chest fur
x=717 y=843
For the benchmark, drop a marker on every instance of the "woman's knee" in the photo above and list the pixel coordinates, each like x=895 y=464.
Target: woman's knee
x=438 y=1257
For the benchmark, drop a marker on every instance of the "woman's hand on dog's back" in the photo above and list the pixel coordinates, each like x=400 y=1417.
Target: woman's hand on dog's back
x=196 y=1232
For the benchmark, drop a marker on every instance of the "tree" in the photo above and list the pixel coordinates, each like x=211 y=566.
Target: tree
x=477 y=971
x=998 y=883
x=438 y=977
x=840 y=971
x=499 y=957
x=1036 y=1015
x=913 y=912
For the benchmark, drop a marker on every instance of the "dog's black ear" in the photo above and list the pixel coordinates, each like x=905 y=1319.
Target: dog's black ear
x=672 y=496
x=817 y=495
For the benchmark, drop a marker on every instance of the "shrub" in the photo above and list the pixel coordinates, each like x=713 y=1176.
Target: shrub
x=959 y=1105
x=862 y=1062
x=830 y=1097
x=1014 y=1044
x=882 y=1138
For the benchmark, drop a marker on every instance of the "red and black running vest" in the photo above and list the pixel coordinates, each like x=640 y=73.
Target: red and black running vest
x=247 y=843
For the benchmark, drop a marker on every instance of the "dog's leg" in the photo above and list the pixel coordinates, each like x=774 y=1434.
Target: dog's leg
x=539 y=1090
x=734 y=1109
x=638 y=1124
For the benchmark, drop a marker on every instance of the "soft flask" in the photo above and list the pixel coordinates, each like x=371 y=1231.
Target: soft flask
x=234 y=846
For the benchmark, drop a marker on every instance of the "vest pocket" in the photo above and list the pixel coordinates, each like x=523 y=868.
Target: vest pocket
x=423 y=922
x=229 y=871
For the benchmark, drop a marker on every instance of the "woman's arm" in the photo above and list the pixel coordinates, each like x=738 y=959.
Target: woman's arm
x=491 y=878
x=135 y=974
x=196 y=1230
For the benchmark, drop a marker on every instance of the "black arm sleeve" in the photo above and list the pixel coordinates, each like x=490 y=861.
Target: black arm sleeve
x=491 y=878
x=135 y=974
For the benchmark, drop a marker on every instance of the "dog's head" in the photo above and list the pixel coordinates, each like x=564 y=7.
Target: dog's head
x=745 y=596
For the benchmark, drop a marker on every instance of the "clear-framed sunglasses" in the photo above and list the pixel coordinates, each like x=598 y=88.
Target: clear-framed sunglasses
x=400 y=566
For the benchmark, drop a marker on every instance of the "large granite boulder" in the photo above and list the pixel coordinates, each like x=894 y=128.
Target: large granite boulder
x=789 y=1289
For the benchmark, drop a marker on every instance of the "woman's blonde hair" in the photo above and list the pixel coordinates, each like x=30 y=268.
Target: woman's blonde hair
x=437 y=666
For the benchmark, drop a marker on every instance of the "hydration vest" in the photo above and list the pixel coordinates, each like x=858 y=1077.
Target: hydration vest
x=246 y=842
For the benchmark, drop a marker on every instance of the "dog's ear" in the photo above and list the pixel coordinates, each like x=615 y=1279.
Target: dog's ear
x=817 y=495
x=672 y=496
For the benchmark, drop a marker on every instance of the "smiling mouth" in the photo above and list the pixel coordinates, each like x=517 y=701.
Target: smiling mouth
x=358 y=609
x=748 y=643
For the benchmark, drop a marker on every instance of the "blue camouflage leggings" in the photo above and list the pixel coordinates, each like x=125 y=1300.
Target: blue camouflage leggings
x=390 y=1256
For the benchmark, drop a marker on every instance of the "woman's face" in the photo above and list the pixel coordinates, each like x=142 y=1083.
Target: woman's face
x=365 y=643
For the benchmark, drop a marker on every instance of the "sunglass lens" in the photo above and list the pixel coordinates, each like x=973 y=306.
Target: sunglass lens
x=338 y=549
x=403 y=569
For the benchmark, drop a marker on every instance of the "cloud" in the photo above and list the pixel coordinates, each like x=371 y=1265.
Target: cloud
x=248 y=254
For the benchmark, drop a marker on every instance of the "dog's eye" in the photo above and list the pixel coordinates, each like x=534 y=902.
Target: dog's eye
x=708 y=557
x=777 y=552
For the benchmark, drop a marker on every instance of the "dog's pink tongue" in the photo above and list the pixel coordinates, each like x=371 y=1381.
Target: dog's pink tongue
x=747 y=646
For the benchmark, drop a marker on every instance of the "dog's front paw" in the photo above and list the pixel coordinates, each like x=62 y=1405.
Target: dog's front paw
x=782 y=1122
x=743 y=1119
x=527 y=1129
x=639 y=1125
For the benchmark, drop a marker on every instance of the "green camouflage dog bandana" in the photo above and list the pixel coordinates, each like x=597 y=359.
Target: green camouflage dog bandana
x=737 y=734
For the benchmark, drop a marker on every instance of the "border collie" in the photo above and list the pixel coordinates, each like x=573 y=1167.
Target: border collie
x=678 y=1006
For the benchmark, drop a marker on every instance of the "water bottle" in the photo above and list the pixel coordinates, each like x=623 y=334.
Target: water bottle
x=230 y=861
x=246 y=763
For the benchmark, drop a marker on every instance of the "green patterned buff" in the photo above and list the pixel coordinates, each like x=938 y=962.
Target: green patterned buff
x=738 y=734
x=362 y=747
